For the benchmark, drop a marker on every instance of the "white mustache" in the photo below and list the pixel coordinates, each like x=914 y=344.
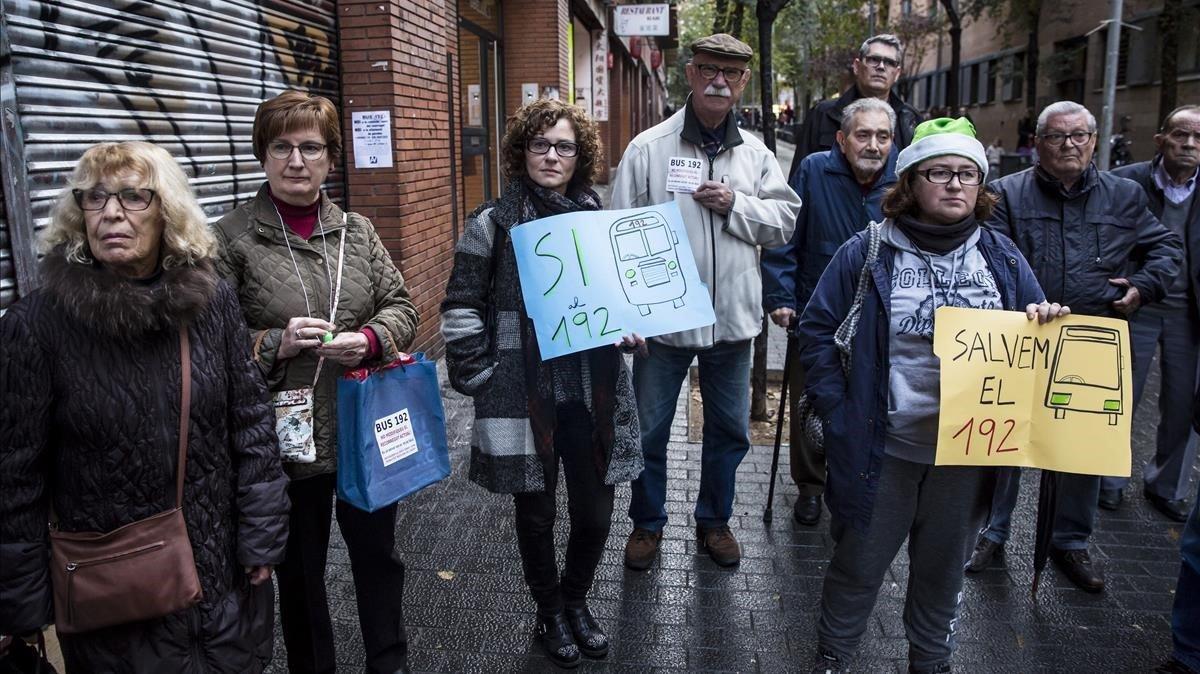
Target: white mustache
x=714 y=90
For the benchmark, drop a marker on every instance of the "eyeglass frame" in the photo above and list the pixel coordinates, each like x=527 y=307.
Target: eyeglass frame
x=953 y=174
x=292 y=149
x=1062 y=137
x=529 y=142
x=882 y=61
x=79 y=194
x=724 y=71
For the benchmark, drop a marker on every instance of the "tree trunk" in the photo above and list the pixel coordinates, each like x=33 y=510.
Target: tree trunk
x=1168 y=36
x=766 y=11
x=720 y=16
x=1032 y=57
x=953 y=100
x=735 y=23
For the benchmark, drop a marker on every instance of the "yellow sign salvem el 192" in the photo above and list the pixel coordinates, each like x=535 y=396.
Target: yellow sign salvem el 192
x=1014 y=393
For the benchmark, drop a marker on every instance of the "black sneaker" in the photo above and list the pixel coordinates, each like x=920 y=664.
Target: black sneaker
x=1077 y=565
x=827 y=663
x=1111 y=499
x=985 y=551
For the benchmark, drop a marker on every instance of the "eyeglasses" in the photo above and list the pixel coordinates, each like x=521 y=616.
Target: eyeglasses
x=877 y=61
x=281 y=150
x=709 y=72
x=943 y=176
x=1056 y=139
x=130 y=199
x=564 y=148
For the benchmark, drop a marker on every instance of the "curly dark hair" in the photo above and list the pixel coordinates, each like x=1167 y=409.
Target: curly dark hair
x=534 y=118
x=902 y=200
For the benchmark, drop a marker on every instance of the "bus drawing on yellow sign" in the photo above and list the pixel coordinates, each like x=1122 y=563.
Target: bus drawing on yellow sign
x=1093 y=350
x=644 y=249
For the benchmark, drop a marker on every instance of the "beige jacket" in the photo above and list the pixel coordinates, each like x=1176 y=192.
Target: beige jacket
x=725 y=246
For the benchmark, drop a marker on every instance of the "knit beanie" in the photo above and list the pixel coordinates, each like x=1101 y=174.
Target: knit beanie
x=941 y=137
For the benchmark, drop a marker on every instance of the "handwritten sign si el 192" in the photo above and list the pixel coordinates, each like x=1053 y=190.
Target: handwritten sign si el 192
x=592 y=276
x=1014 y=393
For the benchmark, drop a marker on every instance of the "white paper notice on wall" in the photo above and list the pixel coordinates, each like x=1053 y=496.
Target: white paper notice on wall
x=395 y=438
x=372 y=139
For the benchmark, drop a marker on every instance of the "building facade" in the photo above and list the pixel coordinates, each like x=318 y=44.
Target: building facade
x=442 y=75
x=1071 y=53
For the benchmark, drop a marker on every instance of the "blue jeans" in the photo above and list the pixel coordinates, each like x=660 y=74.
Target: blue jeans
x=1185 y=619
x=1074 y=515
x=725 y=390
x=1177 y=332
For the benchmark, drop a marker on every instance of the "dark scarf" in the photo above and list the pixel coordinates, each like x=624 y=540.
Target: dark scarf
x=546 y=202
x=938 y=239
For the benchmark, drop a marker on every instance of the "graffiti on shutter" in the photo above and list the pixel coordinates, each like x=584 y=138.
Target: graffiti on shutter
x=187 y=76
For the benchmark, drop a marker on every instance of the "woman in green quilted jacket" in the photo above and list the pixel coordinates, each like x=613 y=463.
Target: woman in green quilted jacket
x=320 y=294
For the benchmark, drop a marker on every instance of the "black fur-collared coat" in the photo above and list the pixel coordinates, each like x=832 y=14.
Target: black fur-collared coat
x=89 y=422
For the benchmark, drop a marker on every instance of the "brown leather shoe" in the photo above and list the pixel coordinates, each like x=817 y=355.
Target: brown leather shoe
x=642 y=548
x=720 y=545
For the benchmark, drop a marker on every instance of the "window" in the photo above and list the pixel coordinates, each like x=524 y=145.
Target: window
x=1012 y=77
x=990 y=71
x=906 y=7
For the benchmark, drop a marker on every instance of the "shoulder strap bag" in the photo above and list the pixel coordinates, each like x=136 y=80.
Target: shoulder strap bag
x=140 y=571
x=843 y=338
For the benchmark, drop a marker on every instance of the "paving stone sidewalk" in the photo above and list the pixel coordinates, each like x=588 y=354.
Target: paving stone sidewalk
x=467 y=608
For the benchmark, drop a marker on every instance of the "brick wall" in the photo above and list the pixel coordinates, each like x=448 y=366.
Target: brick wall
x=535 y=41
x=393 y=57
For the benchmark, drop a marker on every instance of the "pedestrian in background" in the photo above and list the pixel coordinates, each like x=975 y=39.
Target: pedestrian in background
x=841 y=190
x=881 y=415
x=531 y=414
x=1171 y=326
x=995 y=152
x=743 y=203
x=876 y=69
x=293 y=256
x=1094 y=245
x=90 y=407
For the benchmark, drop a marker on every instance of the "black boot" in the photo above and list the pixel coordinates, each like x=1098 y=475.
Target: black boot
x=591 y=639
x=555 y=636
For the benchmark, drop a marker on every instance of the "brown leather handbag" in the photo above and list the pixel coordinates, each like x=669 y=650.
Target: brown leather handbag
x=140 y=571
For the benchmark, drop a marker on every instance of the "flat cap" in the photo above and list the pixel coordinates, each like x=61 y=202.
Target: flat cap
x=723 y=44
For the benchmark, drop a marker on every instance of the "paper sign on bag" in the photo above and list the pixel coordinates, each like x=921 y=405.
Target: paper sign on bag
x=1057 y=396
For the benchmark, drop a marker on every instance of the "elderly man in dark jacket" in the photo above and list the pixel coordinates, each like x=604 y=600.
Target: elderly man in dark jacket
x=1094 y=245
x=1173 y=324
x=875 y=72
x=840 y=189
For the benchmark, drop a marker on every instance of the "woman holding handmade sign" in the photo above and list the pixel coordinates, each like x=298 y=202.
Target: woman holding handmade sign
x=320 y=294
x=881 y=403
x=529 y=414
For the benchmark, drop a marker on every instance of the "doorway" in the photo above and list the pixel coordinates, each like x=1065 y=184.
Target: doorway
x=481 y=116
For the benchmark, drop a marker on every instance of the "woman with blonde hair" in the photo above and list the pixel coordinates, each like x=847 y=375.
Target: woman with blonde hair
x=131 y=321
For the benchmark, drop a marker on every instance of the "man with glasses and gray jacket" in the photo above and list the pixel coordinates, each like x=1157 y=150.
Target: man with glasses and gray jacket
x=742 y=202
x=1094 y=245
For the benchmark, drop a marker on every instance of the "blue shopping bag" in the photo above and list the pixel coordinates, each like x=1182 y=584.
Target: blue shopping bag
x=391 y=432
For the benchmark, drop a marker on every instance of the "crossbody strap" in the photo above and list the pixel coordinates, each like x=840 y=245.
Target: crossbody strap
x=844 y=336
x=185 y=409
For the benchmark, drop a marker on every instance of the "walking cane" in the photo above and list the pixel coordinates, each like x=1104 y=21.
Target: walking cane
x=788 y=355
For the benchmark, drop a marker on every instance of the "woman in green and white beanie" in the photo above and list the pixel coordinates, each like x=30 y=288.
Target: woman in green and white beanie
x=882 y=485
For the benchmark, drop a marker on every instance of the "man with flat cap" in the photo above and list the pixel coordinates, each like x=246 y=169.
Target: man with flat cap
x=734 y=200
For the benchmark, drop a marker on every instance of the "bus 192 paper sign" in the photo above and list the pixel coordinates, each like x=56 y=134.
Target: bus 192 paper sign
x=1014 y=393
x=590 y=277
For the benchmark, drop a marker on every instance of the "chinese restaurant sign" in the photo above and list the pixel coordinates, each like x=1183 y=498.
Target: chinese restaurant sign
x=1014 y=393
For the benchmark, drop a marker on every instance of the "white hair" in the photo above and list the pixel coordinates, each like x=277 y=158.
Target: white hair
x=866 y=105
x=883 y=38
x=1064 y=108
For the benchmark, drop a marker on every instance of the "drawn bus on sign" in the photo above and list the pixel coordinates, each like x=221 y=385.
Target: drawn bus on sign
x=1097 y=352
x=645 y=252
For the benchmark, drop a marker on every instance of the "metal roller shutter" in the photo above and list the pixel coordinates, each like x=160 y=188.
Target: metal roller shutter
x=187 y=76
x=8 y=272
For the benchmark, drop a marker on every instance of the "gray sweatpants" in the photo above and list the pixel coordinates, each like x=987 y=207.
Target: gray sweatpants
x=939 y=509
